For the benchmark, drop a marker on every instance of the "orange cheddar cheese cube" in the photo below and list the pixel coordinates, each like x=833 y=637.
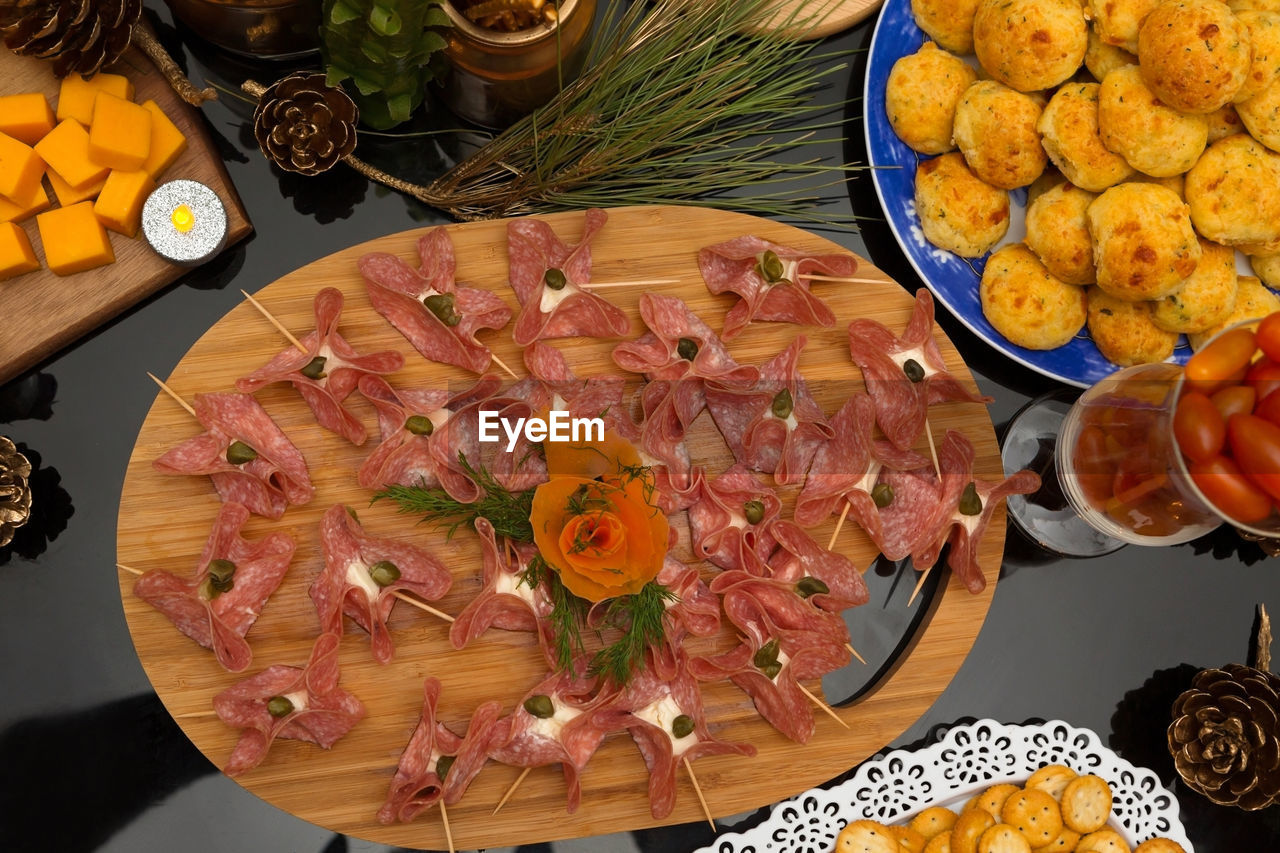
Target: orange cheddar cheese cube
x=119 y=205
x=66 y=151
x=26 y=117
x=68 y=196
x=16 y=254
x=16 y=211
x=120 y=136
x=76 y=97
x=74 y=240
x=20 y=169
x=167 y=142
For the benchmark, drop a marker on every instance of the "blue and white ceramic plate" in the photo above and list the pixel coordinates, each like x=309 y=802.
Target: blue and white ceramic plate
x=954 y=280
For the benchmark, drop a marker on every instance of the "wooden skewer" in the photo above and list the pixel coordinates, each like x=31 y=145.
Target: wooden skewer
x=174 y=394
x=503 y=365
x=408 y=599
x=933 y=450
x=697 y=789
x=844 y=279
x=592 y=285
x=854 y=652
x=195 y=714
x=835 y=534
x=273 y=321
x=444 y=819
x=511 y=790
x=920 y=583
x=129 y=570
x=822 y=705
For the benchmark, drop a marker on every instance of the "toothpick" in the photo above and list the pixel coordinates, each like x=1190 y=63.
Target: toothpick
x=933 y=450
x=129 y=570
x=697 y=789
x=592 y=285
x=854 y=652
x=422 y=606
x=174 y=394
x=503 y=365
x=920 y=583
x=822 y=705
x=835 y=534
x=196 y=714
x=444 y=818
x=843 y=279
x=511 y=790
x=273 y=321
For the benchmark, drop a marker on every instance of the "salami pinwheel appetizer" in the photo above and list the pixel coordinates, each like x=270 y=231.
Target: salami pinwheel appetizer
x=419 y=781
x=327 y=373
x=547 y=275
x=434 y=313
x=771 y=282
x=731 y=519
x=234 y=577
x=246 y=455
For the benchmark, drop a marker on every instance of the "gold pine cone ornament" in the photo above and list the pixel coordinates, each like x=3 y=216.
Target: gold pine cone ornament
x=80 y=36
x=303 y=125
x=15 y=490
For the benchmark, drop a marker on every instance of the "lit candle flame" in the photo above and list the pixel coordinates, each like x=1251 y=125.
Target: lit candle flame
x=183 y=219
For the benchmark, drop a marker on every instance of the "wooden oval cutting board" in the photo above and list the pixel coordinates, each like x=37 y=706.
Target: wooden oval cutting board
x=164 y=521
x=830 y=16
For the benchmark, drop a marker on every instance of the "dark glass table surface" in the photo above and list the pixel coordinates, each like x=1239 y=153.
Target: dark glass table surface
x=90 y=760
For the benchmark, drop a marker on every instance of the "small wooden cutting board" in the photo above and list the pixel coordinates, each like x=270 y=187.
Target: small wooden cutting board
x=42 y=312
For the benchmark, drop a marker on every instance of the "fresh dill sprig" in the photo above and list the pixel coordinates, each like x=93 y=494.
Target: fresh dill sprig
x=507 y=511
x=639 y=618
x=568 y=612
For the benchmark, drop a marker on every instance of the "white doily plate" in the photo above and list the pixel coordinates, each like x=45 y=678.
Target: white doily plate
x=967 y=759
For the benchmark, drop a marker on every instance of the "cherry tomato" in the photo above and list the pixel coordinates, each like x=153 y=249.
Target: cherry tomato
x=1264 y=376
x=1268 y=335
x=1093 y=465
x=1255 y=444
x=1234 y=494
x=1269 y=407
x=1235 y=400
x=1228 y=353
x=1211 y=388
x=1199 y=427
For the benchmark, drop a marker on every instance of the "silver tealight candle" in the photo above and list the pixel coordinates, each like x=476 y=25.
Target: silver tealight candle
x=185 y=222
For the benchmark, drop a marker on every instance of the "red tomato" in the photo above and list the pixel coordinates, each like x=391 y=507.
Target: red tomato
x=1268 y=335
x=1235 y=400
x=1206 y=387
x=1199 y=427
x=1255 y=444
x=1269 y=407
x=1264 y=376
x=1230 y=491
x=1228 y=353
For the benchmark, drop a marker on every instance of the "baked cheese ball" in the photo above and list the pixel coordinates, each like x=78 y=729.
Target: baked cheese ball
x=1234 y=193
x=1207 y=296
x=1102 y=58
x=948 y=22
x=1118 y=21
x=1261 y=116
x=1253 y=302
x=958 y=211
x=1223 y=122
x=1264 y=42
x=1267 y=268
x=1152 y=138
x=1194 y=54
x=1143 y=245
x=1024 y=301
x=921 y=96
x=1125 y=332
x=1239 y=6
x=995 y=129
x=1069 y=132
x=1030 y=45
x=1177 y=183
x=1058 y=232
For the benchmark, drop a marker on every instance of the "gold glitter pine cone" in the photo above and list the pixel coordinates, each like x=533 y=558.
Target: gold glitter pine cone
x=15 y=490
x=1225 y=736
x=80 y=36
x=303 y=125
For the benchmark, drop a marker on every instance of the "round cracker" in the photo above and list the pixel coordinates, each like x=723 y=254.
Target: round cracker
x=1103 y=841
x=1003 y=838
x=1086 y=804
x=1159 y=845
x=866 y=836
x=1065 y=843
x=939 y=844
x=934 y=821
x=969 y=828
x=1052 y=779
x=1035 y=814
x=992 y=799
x=909 y=840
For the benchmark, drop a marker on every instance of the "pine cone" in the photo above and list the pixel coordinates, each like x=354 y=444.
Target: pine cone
x=15 y=490
x=1224 y=736
x=81 y=36
x=303 y=125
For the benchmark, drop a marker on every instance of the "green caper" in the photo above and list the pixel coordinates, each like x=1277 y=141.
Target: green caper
x=279 y=706
x=770 y=266
x=419 y=425
x=222 y=586
x=766 y=654
x=555 y=279
x=771 y=670
x=239 y=453
x=441 y=305
x=221 y=570
x=443 y=764
x=783 y=405
x=970 y=503
x=912 y=368
x=384 y=573
x=808 y=586
x=754 y=511
x=314 y=368
x=540 y=706
x=682 y=726
x=882 y=495
x=209 y=590
x=687 y=348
